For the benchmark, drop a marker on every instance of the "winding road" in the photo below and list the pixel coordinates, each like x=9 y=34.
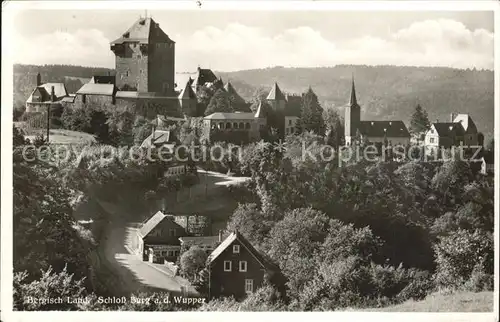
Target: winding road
x=134 y=274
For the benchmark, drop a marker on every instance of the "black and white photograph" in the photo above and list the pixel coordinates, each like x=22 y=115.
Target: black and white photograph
x=212 y=157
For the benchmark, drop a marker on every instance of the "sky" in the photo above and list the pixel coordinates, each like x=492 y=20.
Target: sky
x=238 y=40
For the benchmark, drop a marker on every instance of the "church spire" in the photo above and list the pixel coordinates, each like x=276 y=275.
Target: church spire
x=353 y=101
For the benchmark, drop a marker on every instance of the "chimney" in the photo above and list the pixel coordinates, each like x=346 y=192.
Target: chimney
x=52 y=94
x=38 y=79
x=220 y=236
x=452 y=117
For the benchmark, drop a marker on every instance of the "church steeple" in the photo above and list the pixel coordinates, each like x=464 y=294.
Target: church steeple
x=353 y=101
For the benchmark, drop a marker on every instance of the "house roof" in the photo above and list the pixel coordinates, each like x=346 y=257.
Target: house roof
x=448 y=129
x=245 y=243
x=383 y=128
x=151 y=223
x=187 y=92
x=232 y=92
x=161 y=137
x=102 y=79
x=261 y=110
x=467 y=123
x=203 y=76
x=200 y=240
x=46 y=89
x=144 y=31
x=182 y=78
x=276 y=94
x=97 y=89
x=230 y=116
x=352 y=100
x=135 y=94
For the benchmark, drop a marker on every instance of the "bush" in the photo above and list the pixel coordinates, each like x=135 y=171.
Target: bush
x=458 y=256
x=55 y=286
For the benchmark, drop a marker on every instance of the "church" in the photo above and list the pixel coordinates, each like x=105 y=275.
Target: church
x=381 y=132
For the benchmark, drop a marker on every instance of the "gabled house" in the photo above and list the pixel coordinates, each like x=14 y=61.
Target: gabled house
x=158 y=238
x=46 y=95
x=236 y=268
x=443 y=135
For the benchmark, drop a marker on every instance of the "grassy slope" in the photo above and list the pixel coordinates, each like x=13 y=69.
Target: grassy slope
x=456 y=302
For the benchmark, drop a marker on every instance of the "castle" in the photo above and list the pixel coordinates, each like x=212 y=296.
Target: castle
x=146 y=83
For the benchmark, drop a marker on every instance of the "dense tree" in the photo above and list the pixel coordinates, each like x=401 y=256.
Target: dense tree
x=419 y=122
x=311 y=118
x=193 y=261
x=219 y=103
x=293 y=243
x=251 y=222
x=334 y=125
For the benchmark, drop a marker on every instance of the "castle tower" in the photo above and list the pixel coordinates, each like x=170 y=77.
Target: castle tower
x=187 y=100
x=145 y=59
x=276 y=98
x=352 y=117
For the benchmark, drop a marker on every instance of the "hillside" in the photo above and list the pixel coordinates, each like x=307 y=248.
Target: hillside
x=385 y=92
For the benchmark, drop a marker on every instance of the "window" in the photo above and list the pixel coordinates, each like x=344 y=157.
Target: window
x=247 y=125
x=431 y=140
x=289 y=122
x=169 y=253
x=242 y=125
x=228 y=125
x=126 y=73
x=248 y=286
x=236 y=249
x=227 y=266
x=172 y=232
x=243 y=266
x=235 y=125
x=84 y=98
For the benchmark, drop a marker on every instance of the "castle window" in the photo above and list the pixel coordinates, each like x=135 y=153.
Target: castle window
x=228 y=125
x=242 y=125
x=235 y=125
x=247 y=125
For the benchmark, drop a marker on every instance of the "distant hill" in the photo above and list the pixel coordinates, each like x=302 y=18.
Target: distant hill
x=385 y=92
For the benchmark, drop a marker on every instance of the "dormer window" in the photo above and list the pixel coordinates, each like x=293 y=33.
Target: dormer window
x=126 y=35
